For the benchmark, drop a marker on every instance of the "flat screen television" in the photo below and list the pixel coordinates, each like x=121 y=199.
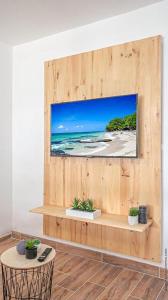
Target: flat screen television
x=103 y=127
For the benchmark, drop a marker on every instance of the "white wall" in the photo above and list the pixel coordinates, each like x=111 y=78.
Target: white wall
x=5 y=138
x=28 y=98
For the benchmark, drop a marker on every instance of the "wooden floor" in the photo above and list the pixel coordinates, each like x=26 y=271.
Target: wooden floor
x=78 y=278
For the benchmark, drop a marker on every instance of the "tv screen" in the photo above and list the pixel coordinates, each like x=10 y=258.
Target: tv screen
x=104 y=127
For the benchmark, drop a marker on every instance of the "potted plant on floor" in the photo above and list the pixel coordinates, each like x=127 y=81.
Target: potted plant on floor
x=83 y=209
x=133 y=216
x=31 y=249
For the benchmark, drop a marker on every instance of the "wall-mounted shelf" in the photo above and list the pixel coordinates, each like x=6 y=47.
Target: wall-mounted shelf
x=115 y=221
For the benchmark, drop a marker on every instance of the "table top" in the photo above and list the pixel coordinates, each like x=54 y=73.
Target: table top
x=13 y=260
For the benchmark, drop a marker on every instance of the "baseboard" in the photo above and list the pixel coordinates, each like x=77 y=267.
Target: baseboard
x=5 y=236
x=100 y=256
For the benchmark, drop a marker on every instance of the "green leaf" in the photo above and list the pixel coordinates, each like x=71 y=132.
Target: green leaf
x=30 y=244
x=134 y=211
x=75 y=203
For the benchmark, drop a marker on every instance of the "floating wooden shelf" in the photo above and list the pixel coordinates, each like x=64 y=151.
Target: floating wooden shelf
x=115 y=221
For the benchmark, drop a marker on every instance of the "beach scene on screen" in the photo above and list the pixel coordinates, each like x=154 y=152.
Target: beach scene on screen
x=97 y=127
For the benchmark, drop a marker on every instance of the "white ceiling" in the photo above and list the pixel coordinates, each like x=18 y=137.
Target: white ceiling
x=26 y=20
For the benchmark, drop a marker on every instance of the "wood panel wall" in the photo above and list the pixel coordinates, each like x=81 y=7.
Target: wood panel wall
x=115 y=184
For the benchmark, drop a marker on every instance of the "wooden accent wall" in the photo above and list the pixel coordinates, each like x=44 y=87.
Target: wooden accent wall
x=115 y=184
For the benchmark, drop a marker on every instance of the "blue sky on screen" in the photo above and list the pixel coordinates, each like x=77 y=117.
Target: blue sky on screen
x=90 y=115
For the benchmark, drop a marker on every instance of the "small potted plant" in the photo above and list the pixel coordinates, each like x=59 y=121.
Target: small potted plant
x=83 y=209
x=133 y=216
x=31 y=249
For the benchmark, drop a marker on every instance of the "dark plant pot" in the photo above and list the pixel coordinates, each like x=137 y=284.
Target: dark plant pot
x=31 y=253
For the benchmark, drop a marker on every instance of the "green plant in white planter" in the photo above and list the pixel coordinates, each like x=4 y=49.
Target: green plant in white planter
x=133 y=216
x=84 y=205
x=83 y=209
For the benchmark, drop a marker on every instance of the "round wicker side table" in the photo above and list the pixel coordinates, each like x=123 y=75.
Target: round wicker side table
x=26 y=279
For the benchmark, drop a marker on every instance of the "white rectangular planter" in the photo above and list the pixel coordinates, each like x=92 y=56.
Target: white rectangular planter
x=83 y=214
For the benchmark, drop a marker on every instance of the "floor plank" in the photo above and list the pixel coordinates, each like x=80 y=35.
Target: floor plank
x=59 y=293
x=89 y=291
x=61 y=259
x=131 y=264
x=78 y=251
x=6 y=244
x=81 y=275
x=148 y=288
x=73 y=264
x=132 y=298
x=163 y=295
x=105 y=275
x=122 y=286
x=58 y=277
